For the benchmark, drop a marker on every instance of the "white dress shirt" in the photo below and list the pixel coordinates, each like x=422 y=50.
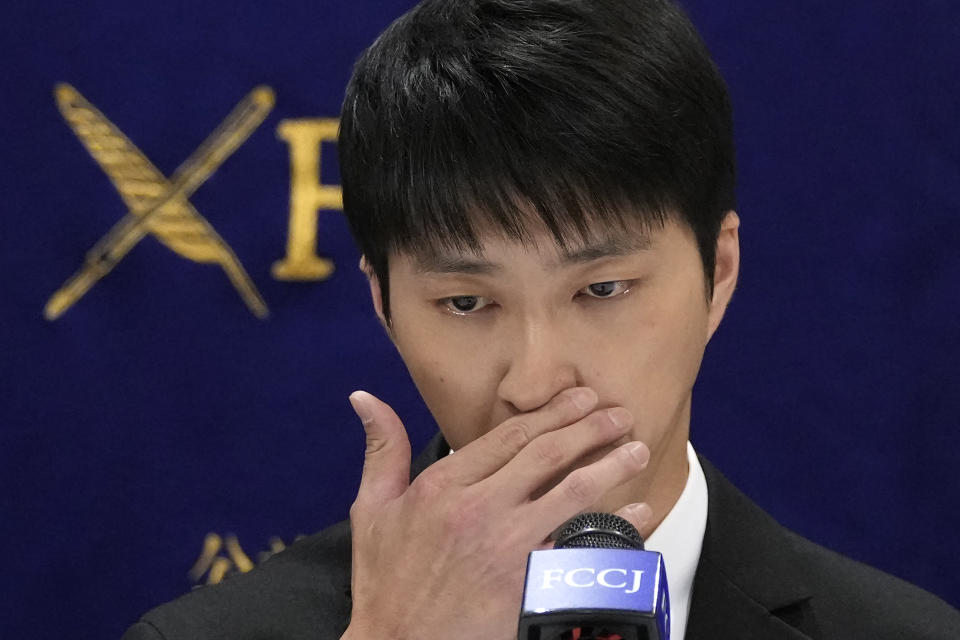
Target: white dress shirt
x=679 y=538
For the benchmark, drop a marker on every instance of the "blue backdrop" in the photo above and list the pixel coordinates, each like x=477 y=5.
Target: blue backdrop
x=159 y=409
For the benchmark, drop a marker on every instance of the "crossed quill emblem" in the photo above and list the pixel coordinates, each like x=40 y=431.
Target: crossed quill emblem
x=157 y=205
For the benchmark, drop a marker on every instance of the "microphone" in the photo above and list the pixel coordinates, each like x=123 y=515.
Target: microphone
x=597 y=583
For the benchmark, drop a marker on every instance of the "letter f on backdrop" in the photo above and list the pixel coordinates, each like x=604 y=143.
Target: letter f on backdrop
x=156 y=205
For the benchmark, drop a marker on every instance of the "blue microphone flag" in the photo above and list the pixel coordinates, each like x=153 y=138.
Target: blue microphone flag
x=571 y=593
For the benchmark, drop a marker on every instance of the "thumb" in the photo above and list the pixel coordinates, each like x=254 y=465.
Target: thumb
x=386 y=464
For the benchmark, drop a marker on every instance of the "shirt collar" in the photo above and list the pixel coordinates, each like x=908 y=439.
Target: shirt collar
x=679 y=538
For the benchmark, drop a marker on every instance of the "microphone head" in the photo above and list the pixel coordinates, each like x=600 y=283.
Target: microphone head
x=598 y=531
x=596 y=582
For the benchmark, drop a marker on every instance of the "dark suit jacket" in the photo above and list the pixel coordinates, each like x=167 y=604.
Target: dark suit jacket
x=755 y=580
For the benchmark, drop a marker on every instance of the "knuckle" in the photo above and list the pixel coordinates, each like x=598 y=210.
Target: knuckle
x=516 y=435
x=358 y=510
x=426 y=487
x=581 y=487
x=548 y=451
x=376 y=445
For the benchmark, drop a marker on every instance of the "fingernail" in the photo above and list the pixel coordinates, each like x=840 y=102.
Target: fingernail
x=358 y=402
x=584 y=398
x=640 y=513
x=639 y=451
x=620 y=417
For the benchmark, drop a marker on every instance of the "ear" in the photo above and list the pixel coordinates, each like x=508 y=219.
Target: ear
x=375 y=294
x=726 y=271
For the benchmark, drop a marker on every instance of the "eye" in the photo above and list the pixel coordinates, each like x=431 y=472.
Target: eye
x=462 y=305
x=609 y=289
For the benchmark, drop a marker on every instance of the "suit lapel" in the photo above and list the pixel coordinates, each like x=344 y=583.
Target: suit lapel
x=720 y=610
x=747 y=583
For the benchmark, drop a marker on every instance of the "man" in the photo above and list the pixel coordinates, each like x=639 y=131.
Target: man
x=543 y=195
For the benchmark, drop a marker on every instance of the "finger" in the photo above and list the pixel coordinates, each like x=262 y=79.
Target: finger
x=552 y=453
x=639 y=514
x=583 y=487
x=386 y=463
x=491 y=451
x=546 y=545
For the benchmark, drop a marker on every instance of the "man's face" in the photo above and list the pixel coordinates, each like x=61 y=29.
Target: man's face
x=486 y=336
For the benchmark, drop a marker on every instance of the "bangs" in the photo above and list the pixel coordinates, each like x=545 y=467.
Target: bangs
x=492 y=189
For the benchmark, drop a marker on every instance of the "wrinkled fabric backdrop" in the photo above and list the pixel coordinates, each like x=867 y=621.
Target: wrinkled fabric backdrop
x=158 y=409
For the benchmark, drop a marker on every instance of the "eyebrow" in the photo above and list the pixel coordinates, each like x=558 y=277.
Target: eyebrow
x=606 y=248
x=444 y=263
x=441 y=263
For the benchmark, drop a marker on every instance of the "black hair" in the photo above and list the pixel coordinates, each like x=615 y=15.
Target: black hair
x=471 y=115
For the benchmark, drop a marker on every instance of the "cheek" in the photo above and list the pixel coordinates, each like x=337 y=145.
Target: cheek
x=457 y=384
x=650 y=364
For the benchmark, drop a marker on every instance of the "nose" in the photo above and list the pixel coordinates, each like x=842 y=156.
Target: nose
x=539 y=366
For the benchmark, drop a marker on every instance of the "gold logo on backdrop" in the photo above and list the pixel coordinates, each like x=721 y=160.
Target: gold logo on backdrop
x=156 y=205
x=221 y=556
x=308 y=194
